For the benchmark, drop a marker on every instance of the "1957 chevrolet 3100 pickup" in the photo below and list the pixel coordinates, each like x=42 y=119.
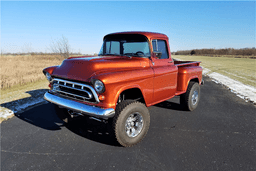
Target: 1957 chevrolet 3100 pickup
x=133 y=70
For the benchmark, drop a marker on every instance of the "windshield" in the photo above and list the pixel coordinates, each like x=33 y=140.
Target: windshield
x=125 y=45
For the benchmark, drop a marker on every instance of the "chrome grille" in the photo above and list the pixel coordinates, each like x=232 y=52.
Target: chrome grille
x=74 y=90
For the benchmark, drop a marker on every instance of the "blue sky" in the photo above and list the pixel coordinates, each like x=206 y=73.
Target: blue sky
x=32 y=25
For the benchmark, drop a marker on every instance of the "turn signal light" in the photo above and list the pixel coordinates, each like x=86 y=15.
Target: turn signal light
x=101 y=97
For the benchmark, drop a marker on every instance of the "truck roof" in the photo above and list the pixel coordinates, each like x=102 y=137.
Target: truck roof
x=149 y=35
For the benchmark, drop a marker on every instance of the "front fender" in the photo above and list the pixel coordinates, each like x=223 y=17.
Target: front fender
x=127 y=87
x=117 y=82
x=49 y=69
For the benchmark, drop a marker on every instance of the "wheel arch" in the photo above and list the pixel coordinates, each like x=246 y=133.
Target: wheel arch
x=130 y=93
x=193 y=79
x=196 y=79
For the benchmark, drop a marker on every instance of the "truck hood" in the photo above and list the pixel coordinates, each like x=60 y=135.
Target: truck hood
x=83 y=68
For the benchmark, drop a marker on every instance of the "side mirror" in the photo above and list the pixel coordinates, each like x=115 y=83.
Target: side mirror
x=157 y=54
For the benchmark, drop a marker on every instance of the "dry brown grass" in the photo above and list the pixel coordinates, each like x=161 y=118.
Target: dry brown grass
x=23 y=69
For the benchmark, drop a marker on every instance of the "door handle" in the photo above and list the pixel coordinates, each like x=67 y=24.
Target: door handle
x=170 y=62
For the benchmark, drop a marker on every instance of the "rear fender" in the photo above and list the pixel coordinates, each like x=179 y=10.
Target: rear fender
x=187 y=74
x=195 y=79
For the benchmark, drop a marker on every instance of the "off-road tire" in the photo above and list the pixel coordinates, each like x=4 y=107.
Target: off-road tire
x=125 y=110
x=62 y=113
x=190 y=99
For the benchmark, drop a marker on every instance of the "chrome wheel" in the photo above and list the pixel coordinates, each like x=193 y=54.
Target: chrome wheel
x=131 y=122
x=194 y=97
x=191 y=98
x=134 y=124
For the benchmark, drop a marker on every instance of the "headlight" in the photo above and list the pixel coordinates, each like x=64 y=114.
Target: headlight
x=99 y=86
x=48 y=76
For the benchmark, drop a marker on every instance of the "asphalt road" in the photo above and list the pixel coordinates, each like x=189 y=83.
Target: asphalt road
x=218 y=135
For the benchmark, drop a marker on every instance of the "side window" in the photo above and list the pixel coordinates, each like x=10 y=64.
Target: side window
x=154 y=44
x=107 y=47
x=160 y=46
x=113 y=47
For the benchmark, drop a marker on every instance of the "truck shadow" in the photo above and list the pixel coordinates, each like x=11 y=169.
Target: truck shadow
x=42 y=116
x=93 y=130
x=171 y=104
x=32 y=110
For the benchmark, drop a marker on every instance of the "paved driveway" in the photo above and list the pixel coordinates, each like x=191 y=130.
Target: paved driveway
x=218 y=135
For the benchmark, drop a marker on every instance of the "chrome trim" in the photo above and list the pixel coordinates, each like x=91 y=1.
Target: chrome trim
x=80 y=107
x=195 y=97
x=71 y=98
x=71 y=94
x=79 y=84
x=73 y=88
x=134 y=124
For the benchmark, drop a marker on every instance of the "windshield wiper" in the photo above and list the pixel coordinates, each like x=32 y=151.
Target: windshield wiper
x=110 y=54
x=127 y=56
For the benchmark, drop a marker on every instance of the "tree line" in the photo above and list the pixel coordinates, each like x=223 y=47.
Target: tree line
x=218 y=52
x=41 y=53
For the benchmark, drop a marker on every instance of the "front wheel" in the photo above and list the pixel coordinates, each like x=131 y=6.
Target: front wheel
x=131 y=122
x=191 y=98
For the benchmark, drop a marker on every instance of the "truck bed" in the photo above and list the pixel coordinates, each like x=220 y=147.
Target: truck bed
x=185 y=70
x=187 y=63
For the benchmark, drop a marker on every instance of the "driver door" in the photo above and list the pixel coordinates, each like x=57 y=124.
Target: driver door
x=165 y=72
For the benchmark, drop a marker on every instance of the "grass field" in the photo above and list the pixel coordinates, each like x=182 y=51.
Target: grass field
x=240 y=69
x=22 y=80
x=20 y=70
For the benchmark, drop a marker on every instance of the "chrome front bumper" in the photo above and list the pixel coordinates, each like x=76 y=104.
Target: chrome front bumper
x=80 y=107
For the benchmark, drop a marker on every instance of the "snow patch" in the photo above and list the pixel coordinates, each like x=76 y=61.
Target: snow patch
x=15 y=107
x=205 y=71
x=10 y=108
x=5 y=113
x=246 y=92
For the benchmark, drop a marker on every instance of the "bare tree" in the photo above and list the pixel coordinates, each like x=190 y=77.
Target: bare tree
x=2 y=52
x=26 y=48
x=60 y=46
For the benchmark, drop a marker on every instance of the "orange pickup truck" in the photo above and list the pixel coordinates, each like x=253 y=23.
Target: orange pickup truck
x=133 y=70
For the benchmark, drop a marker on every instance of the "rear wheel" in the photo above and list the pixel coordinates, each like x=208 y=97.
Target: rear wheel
x=131 y=122
x=191 y=98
